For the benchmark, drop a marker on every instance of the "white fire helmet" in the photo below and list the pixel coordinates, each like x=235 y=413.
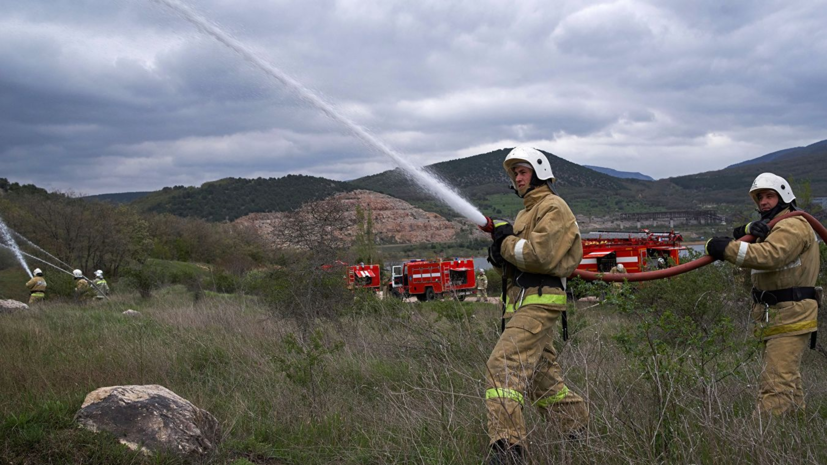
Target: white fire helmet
x=38 y=272
x=99 y=274
x=77 y=274
x=481 y=271
x=621 y=268
x=534 y=157
x=774 y=182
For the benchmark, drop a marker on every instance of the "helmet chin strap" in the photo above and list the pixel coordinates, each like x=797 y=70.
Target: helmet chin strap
x=772 y=212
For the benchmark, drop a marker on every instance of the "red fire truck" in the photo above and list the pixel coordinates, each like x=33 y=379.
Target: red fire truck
x=363 y=276
x=636 y=251
x=427 y=280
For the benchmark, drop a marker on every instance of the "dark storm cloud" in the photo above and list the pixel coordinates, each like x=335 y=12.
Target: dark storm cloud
x=117 y=96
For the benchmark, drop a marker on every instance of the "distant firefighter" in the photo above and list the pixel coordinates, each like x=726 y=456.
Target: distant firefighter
x=83 y=291
x=482 y=285
x=101 y=286
x=619 y=269
x=37 y=287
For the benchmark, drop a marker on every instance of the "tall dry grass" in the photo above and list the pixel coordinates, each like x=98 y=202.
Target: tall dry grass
x=384 y=382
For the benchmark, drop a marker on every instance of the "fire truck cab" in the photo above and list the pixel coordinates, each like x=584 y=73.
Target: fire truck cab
x=427 y=280
x=636 y=251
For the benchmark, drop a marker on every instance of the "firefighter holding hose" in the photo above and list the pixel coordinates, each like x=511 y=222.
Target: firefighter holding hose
x=784 y=263
x=535 y=255
x=37 y=287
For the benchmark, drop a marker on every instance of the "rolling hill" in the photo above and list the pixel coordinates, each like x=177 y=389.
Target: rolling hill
x=786 y=154
x=119 y=198
x=231 y=198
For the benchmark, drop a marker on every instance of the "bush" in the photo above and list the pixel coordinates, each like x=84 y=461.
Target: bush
x=301 y=289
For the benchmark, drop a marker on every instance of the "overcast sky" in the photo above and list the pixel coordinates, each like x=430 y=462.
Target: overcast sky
x=104 y=96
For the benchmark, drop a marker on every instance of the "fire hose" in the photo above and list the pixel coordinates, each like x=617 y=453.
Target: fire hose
x=679 y=269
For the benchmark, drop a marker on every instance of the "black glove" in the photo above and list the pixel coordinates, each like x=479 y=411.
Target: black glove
x=495 y=258
x=758 y=229
x=715 y=247
x=502 y=229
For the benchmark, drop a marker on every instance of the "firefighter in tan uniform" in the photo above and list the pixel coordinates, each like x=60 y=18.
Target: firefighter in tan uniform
x=784 y=264
x=482 y=286
x=535 y=255
x=37 y=287
x=83 y=291
x=619 y=269
x=101 y=286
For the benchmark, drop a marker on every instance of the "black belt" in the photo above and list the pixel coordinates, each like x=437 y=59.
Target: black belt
x=792 y=294
x=526 y=280
x=38 y=292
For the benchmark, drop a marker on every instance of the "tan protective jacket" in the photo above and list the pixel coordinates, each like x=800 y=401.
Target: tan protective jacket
x=36 y=284
x=482 y=281
x=788 y=257
x=83 y=290
x=546 y=241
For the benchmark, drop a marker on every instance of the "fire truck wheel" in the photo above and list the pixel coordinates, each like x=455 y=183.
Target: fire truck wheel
x=429 y=294
x=461 y=298
x=420 y=297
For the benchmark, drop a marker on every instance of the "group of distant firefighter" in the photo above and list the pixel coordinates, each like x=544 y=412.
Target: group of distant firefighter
x=85 y=288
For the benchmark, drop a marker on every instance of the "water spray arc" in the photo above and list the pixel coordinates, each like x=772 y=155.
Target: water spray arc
x=39 y=259
x=6 y=235
x=20 y=236
x=424 y=179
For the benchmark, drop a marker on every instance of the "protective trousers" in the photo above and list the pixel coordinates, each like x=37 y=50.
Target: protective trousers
x=780 y=388
x=36 y=297
x=523 y=366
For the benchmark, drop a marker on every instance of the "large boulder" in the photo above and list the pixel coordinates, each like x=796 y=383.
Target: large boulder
x=10 y=306
x=150 y=418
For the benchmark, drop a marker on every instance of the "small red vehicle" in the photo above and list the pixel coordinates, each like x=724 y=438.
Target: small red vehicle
x=363 y=276
x=636 y=251
x=427 y=280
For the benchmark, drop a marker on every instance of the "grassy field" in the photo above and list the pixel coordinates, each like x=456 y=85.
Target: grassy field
x=391 y=382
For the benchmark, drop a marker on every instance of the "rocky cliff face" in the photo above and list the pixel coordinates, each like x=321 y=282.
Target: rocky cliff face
x=394 y=220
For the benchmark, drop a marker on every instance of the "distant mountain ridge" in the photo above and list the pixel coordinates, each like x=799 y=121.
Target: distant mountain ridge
x=620 y=174
x=786 y=154
x=481 y=180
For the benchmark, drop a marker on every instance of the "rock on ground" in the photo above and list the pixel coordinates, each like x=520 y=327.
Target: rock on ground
x=150 y=418
x=9 y=306
x=131 y=312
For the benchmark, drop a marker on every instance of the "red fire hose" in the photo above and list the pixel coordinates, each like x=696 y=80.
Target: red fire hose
x=683 y=268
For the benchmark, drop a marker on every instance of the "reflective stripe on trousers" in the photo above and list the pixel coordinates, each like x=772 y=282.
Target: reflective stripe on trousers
x=553 y=299
x=780 y=329
x=516 y=396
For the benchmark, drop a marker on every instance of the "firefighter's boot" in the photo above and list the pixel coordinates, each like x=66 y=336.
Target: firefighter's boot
x=503 y=453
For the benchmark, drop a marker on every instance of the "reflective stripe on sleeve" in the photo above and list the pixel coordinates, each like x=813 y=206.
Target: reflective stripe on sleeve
x=546 y=401
x=518 y=253
x=504 y=394
x=552 y=299
x=742 y=253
